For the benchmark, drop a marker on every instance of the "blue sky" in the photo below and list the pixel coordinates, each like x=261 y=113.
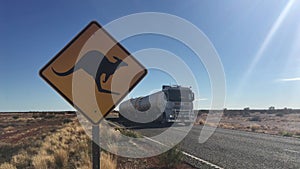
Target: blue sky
x=257 y=41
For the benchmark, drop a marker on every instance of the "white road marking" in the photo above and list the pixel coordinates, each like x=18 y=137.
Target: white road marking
x=183 y=152
x=293 y=151
x=187 y=154
x=201 y=160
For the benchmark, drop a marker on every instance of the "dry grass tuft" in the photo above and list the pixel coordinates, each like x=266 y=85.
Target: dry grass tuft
x=226 y=126
x=201 y=122
x=255 y=127
x=61 y=158
x=108 y=161
x=7 y=166
x=42 y=162
x=8 y=128
x=67 y=147
x=21 y=160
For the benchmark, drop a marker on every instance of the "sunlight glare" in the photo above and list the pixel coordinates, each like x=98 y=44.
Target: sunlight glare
x=265 y=44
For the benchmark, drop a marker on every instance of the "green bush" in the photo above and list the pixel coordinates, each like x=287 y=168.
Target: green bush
x=286 y=134
x=171 y=158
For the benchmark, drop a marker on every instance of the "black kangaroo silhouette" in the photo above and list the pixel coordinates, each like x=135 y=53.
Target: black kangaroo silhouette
x=95 y=64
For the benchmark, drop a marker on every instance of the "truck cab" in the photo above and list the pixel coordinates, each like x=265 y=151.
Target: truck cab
x=179 y=107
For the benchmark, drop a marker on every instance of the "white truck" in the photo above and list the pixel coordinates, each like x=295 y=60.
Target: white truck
x=171 y=104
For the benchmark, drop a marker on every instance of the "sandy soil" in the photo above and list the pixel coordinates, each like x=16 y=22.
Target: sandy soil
x=278 y=123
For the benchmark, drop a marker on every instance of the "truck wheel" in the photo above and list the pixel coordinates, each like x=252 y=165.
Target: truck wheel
x=163 y=119
x=121 y=117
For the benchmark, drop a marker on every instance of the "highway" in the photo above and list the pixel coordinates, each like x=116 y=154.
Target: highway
x=232 y=148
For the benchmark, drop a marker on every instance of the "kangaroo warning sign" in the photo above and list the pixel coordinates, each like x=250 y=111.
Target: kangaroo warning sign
x=93 y=72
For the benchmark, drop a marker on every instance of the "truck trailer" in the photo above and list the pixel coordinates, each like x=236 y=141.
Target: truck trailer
x=171 y=104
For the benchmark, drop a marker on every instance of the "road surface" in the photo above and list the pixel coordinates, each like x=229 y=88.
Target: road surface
x=233 y=148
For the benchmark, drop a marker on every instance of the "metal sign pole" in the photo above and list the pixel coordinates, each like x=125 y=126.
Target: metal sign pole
x=95 y=147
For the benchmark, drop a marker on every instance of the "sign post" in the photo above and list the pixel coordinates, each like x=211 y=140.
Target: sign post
x=93 y=73
x=96 y=151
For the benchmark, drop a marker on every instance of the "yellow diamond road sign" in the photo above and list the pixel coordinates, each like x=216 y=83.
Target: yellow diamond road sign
x=93 y=72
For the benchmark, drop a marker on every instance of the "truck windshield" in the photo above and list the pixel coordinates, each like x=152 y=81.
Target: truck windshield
x=180 y=95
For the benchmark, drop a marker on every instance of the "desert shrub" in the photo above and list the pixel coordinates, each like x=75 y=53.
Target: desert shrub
x=66 y=120
x=35 y=116
x=7 y=166
x=41 y=115
x=15 y=117
x=171 y=158
x=53 y=130
x=286 y=134
x=245 y=114
x=280 y=114
x=255 y=118
x=50 y=116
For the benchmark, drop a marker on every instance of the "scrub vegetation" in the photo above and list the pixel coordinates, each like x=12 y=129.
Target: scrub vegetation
x=58 y=141
x=283 y=122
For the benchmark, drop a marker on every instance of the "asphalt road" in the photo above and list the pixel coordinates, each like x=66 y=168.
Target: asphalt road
x=234 y=149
